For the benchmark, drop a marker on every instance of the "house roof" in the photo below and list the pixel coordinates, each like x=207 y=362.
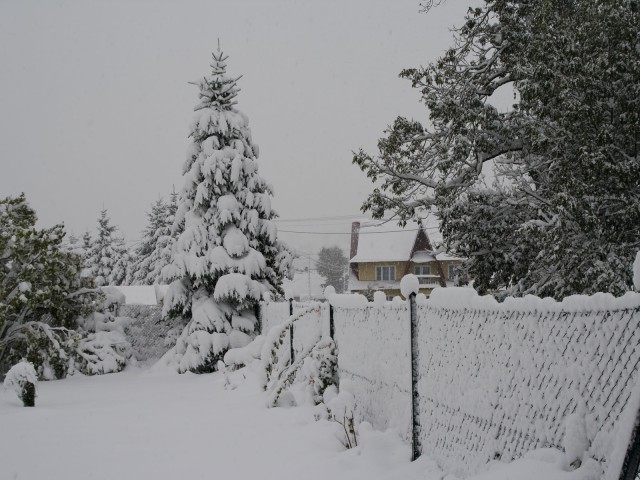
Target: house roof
x=390 y=243
x=385 y=242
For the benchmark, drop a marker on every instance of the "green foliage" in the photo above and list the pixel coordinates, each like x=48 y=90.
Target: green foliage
x=108 y=258
x=40 y=287
x=562 y=216
x=332 y=265
x=29 y=395
x=48 y=349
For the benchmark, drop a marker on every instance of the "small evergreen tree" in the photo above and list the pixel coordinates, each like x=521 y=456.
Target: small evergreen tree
x=121 y=272
x=87 y=243
x=227 y=253
x=145 y=268
x=103 y=255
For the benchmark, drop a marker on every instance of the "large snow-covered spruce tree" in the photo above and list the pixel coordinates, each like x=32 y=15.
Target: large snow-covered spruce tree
x=227 y=253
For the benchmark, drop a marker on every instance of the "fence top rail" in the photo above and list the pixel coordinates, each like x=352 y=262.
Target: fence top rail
x=461 y=298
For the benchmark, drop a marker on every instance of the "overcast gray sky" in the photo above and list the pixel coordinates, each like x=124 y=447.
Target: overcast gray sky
x=95 y=101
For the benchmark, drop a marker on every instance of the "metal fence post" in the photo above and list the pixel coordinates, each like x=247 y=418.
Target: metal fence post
x=291 y=330
x=631 y=465
x=415 y=400
x=332 y=327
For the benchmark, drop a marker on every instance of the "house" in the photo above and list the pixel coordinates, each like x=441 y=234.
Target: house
x=381 y=254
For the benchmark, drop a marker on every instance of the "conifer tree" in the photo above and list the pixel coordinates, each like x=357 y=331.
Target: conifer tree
x=146 y=256
x=121 y=272
x=87 y=243
x=227 y=253
x=103 y=254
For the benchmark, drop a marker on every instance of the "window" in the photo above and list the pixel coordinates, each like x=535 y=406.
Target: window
x=386 y=273
x=422 y=270
x=452 y=272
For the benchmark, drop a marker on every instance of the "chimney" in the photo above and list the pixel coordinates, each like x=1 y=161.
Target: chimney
x=355 y=235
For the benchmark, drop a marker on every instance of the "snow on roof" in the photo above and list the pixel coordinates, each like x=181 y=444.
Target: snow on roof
x=423 y=256
x=385 y=242
x=139 y=294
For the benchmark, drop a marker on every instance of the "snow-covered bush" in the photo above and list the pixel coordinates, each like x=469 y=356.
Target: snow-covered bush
x=22 y=378
x=46 y=348
x=236 y=358
x=312 y=371
x=341 y=407
x=102 y=346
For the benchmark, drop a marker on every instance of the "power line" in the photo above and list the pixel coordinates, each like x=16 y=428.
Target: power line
x=360 y=233
x=306 y=219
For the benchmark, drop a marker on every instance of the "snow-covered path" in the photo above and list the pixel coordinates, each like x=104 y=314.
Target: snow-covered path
x=134 y=425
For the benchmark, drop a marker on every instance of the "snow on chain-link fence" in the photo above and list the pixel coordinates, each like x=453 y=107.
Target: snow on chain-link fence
x=489 y=381
x=149 y=335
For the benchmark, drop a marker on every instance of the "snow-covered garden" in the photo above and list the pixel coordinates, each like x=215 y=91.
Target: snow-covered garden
x=136 y=424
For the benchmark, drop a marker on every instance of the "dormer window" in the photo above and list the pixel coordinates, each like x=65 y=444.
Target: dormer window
x=422 y=270
x=386 y=273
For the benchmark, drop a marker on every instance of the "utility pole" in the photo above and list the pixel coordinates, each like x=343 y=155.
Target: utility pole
x=309 y=277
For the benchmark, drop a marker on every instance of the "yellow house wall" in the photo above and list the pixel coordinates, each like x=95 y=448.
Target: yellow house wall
x=367 y=271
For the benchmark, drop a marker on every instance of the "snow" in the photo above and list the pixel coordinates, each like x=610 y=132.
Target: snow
x=21 y=373
x=393 y=244
x=237 y=286
x=134 y=425
x=379 y=298
x=409 y=284
x=138 y=294
x=460 y=298
x=348 y=300
x=303 y=284
x=113 y=296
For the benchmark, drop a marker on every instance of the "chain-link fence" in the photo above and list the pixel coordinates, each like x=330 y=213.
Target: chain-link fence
x=470 y=385
x=149 y=335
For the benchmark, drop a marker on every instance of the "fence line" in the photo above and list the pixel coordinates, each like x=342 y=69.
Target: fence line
x=490 y=382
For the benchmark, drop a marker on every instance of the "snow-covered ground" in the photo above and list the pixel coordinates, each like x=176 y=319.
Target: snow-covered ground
x=137 y=425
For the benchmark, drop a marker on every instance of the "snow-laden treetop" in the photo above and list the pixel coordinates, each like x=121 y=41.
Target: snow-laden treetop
x=217 y=91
